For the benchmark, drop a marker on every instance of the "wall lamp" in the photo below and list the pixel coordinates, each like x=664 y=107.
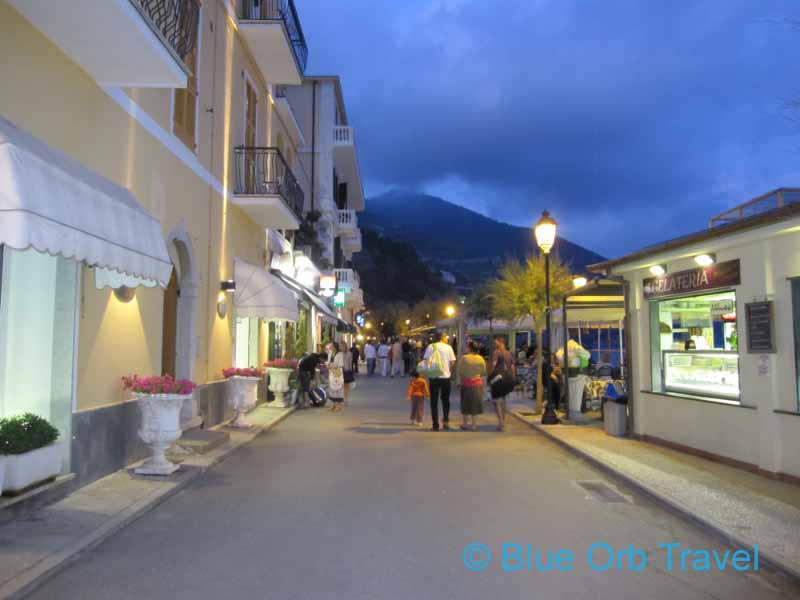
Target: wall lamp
x=228 y=285
x=658 y=270
x=579 y=282
x=705 y=260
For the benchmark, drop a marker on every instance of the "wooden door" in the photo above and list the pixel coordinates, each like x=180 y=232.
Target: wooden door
x=169 y=343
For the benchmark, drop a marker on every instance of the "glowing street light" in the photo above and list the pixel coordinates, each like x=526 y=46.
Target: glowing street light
x=450 y=310
x=579 y=282
x=545 y=232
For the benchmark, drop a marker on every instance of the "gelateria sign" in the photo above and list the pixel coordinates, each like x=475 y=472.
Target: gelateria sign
x=720 y=275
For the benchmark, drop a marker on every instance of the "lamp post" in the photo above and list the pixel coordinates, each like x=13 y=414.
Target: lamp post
x=545 y=231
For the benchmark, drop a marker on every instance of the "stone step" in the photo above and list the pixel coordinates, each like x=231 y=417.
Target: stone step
x=201 y=441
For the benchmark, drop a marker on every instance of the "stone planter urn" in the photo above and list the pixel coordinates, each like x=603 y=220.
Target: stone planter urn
x=242 y=396
x=279 y=385
x=161 y=427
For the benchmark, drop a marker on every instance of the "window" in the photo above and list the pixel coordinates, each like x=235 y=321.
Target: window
x=247 y=335
x=602 y=342
x=796 y=321
x=38 y=299
x=694 y=346
x=184 y=108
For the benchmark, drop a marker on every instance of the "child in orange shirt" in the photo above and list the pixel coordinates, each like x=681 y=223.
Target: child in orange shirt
x=417 y=393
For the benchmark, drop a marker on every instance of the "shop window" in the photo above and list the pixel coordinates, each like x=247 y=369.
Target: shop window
x=796 y=321
x=247 y=334
x=38 y=297
x=695 y=347
x=275 y=335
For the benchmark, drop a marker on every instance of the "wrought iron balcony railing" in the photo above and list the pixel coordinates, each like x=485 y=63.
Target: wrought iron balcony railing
x=264 y=172
x=279 y=10
x=175 y=20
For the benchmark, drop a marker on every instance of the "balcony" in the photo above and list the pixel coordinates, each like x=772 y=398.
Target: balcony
x=266 y=189
x=131 y=43
x=347 y=280
x=351 y=244
x=346 y=222
x=345 y=161
x=272 y=30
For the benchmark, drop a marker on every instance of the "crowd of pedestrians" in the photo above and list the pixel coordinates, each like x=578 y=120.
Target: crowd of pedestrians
x=433 y=369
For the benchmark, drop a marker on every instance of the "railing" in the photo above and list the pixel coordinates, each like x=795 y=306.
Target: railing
x=175 y=20
x=342 y=136
x=264 y=172
x=279 y=10
x=347 y=219
x=772 y=200
x=348 y=277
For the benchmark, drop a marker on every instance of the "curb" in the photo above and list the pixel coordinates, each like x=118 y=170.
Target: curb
x=27 y=581
x=665 y=501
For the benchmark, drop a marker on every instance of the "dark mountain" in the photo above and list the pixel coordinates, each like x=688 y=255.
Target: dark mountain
x=452 y=238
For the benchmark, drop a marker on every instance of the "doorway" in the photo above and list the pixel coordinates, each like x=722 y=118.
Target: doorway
x=169 y=341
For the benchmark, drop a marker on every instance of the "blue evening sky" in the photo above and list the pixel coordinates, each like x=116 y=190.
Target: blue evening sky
x=632 y=121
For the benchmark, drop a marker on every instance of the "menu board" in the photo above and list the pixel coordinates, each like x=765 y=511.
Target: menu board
x=760 y=327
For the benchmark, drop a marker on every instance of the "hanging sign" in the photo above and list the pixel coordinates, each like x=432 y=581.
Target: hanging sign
x=719 y=275
x=760 y=330
x=338 y=299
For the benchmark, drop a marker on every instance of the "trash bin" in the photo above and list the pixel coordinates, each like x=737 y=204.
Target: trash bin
x=615 y=413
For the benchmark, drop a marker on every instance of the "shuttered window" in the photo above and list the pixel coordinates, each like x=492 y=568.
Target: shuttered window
x=184 y=116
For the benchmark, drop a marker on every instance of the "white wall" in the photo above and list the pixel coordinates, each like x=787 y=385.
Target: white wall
x=756 y=435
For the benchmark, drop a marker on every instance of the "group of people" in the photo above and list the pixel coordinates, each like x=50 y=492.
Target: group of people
x=341 y=365
x=473 y=377
x=393 y=356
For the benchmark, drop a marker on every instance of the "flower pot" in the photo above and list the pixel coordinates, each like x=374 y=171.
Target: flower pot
x=25 y=470
x=242 y=396
x=160 y=428
x=279 y=385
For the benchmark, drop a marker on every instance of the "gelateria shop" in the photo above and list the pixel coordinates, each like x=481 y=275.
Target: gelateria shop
x=714 y=320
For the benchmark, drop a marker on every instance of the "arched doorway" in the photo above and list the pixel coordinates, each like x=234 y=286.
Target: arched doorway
x=179 y=341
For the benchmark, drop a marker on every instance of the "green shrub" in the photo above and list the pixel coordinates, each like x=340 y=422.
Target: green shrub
x=24 y=433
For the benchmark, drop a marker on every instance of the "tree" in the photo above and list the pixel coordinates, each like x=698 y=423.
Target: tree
x=482 y=305
x=519 y=292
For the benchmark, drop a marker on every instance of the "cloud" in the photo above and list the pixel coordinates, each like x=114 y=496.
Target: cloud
x=642 y=118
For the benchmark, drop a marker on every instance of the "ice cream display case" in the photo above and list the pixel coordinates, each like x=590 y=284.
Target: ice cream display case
x=708 y=373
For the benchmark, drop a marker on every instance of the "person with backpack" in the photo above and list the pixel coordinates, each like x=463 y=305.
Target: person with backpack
x=502 y=379
x=439 y=362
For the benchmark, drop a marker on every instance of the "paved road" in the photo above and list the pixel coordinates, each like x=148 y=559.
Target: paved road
x=361 y=506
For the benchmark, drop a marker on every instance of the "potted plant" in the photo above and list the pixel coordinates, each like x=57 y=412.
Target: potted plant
x=279 y=371
x=32 y=453
x=242 y=393
x=160 y=401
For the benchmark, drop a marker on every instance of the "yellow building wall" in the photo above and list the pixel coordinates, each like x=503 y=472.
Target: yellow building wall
x=46 y=94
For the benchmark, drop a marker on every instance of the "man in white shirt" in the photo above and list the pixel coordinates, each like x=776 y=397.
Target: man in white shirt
x=440 y=386
x=369 y=356
x=383 y=358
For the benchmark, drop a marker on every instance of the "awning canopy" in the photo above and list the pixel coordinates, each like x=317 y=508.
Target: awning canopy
x=260 y=294
x=54 y=204
x=327 y=314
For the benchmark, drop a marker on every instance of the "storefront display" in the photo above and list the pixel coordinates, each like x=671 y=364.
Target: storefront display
x=695 y=345
x=705 y=374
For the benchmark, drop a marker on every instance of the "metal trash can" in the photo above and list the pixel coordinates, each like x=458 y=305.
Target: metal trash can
x=615 y=412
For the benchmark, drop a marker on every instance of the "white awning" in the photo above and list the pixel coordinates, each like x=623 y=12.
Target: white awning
x=54 y=204
x=260 y=294
x=323 y=309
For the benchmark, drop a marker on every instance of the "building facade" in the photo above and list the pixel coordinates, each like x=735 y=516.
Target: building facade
x=171 y=123
x=714 y=325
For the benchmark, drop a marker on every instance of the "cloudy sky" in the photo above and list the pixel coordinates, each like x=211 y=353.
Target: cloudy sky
x=632 y=121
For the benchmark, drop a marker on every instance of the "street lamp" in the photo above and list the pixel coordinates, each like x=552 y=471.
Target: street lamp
x=545 y=232
x=450 y=310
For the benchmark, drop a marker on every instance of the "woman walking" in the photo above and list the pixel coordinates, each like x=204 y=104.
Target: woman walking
x=336 y=384
x=502 y=379
x=471 y=371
